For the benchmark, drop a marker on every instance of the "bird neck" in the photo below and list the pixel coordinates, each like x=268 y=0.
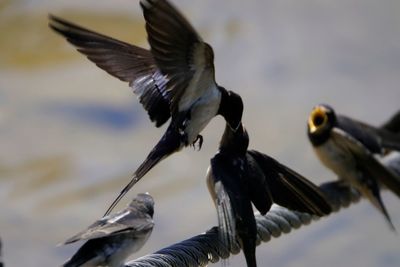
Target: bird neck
x=224 y=99
x=234 y=141
x=231 y=107
x=318 y=139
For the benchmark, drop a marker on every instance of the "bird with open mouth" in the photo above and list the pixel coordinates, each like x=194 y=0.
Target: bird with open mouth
x=238 y=177
x=350 y=149
x=174 y=79
x=113 y=238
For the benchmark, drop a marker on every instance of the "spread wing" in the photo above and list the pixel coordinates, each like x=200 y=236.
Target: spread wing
x=260 y=193
x=177 y=48
x=124 y=221
x=124 y=61
x=290 y=189
x=366 y=162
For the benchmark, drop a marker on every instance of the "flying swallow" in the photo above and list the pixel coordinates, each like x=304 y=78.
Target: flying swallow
x=112 y=239
x=349 y=148
x=174 y=79
x=238 y=177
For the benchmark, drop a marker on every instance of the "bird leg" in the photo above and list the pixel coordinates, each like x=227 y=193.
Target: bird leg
x=199 y=140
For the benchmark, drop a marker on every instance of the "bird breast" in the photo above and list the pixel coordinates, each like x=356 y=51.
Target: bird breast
x=339 y=161
x=201 y=113
x=200 y=85
x=128 y=245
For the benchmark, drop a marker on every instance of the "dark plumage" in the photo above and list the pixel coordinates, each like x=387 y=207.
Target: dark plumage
x=393 y=124
x=348 y=147
x=127 y=62
x=238 y=177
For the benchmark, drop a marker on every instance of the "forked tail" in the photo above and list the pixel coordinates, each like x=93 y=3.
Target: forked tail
x=146 y=166
x=371 y=190
x=169 y=143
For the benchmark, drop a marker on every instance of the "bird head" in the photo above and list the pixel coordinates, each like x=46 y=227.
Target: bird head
x=235 y=141
x=231 y=109
x=321 y=120
x=145 y=202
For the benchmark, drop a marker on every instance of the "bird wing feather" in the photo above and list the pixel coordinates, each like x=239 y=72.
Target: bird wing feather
x=366 y=161
x=177 y=48
x=289 y=188
x=108 y=226
x=124 y=61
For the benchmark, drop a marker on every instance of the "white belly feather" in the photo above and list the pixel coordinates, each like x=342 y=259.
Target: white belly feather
x=202 y=97
x=342 y=163
x=202 y=113
x=200 y=85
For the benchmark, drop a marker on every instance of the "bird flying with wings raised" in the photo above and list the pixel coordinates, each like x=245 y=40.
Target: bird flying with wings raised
x=174 y=79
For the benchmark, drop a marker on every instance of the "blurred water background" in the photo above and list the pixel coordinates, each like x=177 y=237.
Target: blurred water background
x=71 y=135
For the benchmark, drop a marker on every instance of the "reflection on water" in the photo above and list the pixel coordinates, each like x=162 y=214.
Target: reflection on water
x=71 y=135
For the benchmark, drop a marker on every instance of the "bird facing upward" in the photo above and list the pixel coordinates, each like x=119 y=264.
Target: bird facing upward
x=349 y=148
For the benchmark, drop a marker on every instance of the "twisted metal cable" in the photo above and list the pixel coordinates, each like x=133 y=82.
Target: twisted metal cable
x=205 y=248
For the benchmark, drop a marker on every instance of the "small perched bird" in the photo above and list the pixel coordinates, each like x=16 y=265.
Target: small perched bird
x=349 y=148
x=175 y=79
x=237 y=178
x=113 y=238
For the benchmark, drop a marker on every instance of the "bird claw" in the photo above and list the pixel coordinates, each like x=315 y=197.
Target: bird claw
x=199 y=141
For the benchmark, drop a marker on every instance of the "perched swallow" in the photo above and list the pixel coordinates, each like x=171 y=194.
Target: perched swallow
x=349 y=148
x=237 y=178
x=176 y=78
x=114 y=237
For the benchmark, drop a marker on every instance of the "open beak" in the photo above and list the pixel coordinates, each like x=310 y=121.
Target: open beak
x=317 y=119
